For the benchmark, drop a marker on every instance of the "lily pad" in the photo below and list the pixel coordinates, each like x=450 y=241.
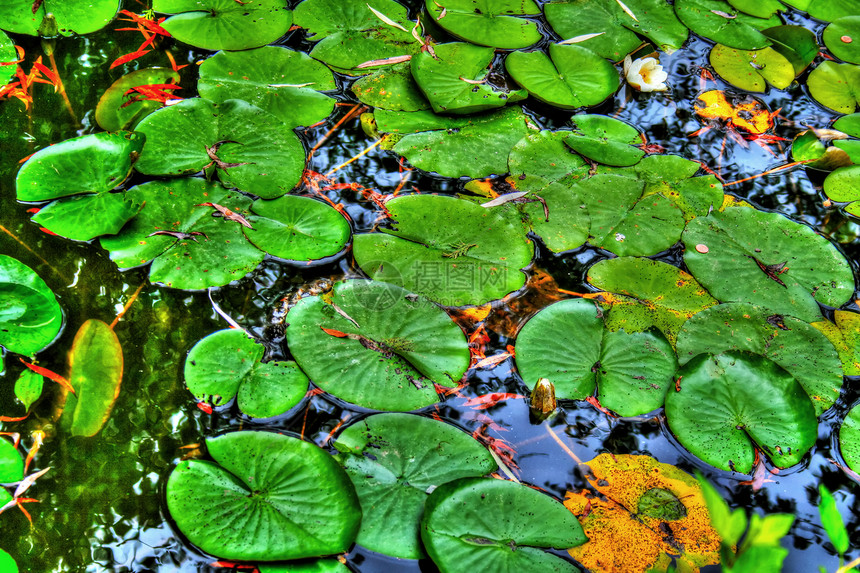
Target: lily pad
x=842 y=186
x=85 y=217
x=115 y=111
x=567 y=225
x=395 y=461
x=849 y=439
x=454 y=79
x=164 y=233
x=459 y=538
x=575 y=77
x=618 y=31
x=391 y=87
x=95 y=372
x=844 y=333
x=388 y=356
x=647 y=293
x=827 y=10
x=285 y=83
x=11 y=463
x=30 y=317
x=850 y=124
x=718 y=21
x=752 y=70
x=727 y=401
x=249 y=148
x=276 y=498
x=449 y=250
x=793 y=344
x=25 y=17
x=225 y=24
x=349 y=33
x=746 y=255
x=8 y=54
x=797 y=44
x=475 y=146
x=605 y=139
x=759 y=9
x=569 y=344
x=227 y=363
x=840 y=37
x=488 y=22
x=28 y=387
x=836 y=86
x=7 y=563
x=542 y=158
x=315 y=566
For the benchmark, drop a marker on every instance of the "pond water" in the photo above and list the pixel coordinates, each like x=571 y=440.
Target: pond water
x=101 y=506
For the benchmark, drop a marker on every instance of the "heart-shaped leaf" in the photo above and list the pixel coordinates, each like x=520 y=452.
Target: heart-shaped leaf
x=459 y=538
x=569 y=344
x=843 y=185
x=849 y=439
x=728 y=400
x=276 y=496
x=388 y=354
x=395 y=461
x=249 y=148
x=116 y=110
x=836 y=86
x=11 y=463
x=25 y=17
x=488 y=22
x=605 y=139
x=840 y=37
x=797 y=44
x=718 y=21
x=225 y=24
x=285 y=83
x=752 y=70
x=30 y=317
x=450 y=250
x=575 y=77
x=227 y=363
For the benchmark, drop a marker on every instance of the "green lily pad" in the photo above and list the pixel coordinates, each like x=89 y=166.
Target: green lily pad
x=491 y=23
x=7 y=563
x=568 y=223
x=276 y=498
x=8 y=54
x=227 y=363
x=752 y=70
x=269 y=157
x=648 y=293
x=795 y=345
x=759 y=9
x=315 y=566
x=225 y=24
x=844 y=333
x=459 y=538
x=842 y=186
x=618 y=30
x=11 y=463
x=718 y=21
x=449 y=250
x=95 y=364
x=542 y=158
x=163 y=232
x=453 y=79
x=807 y=147
x=28 y=387
x=394 y=462
x=849 y=439
x=827 y=10
x=842 y=38
x=475 y=146
x=285 y=83
x=85 y=217
x=402 y=346
x=797 y=44
x=575 y=77
x=25 y=17
x=116 y=111
x=391 y=87
x=30 y=317
x=727 y=401
x=569 y=344
x=349 y=33
x=849 y=124
x=836 y=86
x=768 y=260
x=605 y=139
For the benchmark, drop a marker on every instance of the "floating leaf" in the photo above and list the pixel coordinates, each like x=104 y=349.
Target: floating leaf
x=7 y=563
x=95 y=372
x=116 y=111
x=767 y=259
x=30 y=317
x=26 y=16
x=849 y=438
x=759 y=9
x=836 y=86
x=716 y=20
x=453 y=79
x=285 y=83
x=752 y=70
x=248 y=147
x=831 y=520
x=403 y=344
x=793 y=344
x=542 y=158
x=569 y=344
x=648 y=293
x=475 y=146
x=840 y=37
x=349 y=33
x=844 y=333
x=392 y=88
x=827 y=10
x=316 y=566
x=575 y=77
x=8 y=54
x=850 y=124
x=567 y=224
x=654 y=19
x=647 y=511
x=729 y=399
x=459 y=538
x=488 y=22
x=225 y=24
x=28 y=388
x=605 y=140
x=450 y=250
x=797 y=44
x=395 y=461
x=276 y=496
x=11 y=463
x=843 y=185
x=227 y=363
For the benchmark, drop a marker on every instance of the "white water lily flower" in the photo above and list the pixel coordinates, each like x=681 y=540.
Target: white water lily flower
x=645 y=74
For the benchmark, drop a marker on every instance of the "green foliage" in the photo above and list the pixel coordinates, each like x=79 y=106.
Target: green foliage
x=25 y=17
x=487 y=22
x=11 y=463
x=30 y=316
x=717 y=20
x=116 y=111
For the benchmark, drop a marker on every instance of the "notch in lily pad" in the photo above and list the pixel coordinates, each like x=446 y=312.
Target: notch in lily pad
x=606 y=140
x=497 y=23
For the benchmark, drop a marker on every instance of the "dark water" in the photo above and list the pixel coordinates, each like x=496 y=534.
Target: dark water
x=101 y=507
